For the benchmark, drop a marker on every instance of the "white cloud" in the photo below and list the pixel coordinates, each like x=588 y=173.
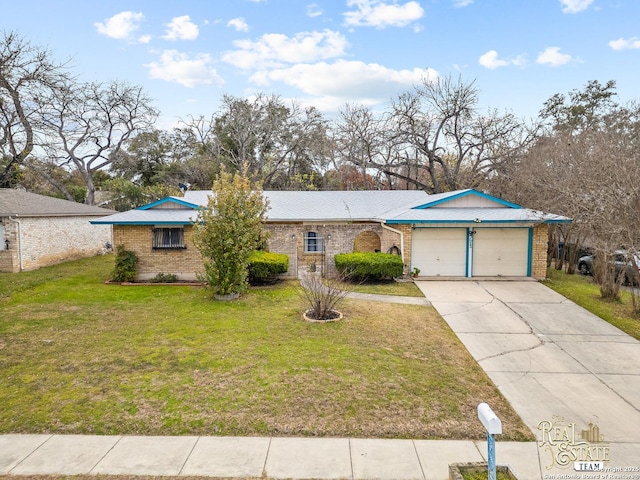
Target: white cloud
x=185 y=70
x=491 y=61
x=552 y=56
x=575 y=6
x=277 y=49
x=379 y=14
x=239 y=24
x=121 y=26
x=181 y=28
x=345 y=79
x=625 y=43
x=462 y=3
x=313 y=10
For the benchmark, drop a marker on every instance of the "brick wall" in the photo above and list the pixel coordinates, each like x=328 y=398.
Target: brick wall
x=185 y=263
x=367 y=241
x=284 y=238
x=539 y=251
x=289 y=239
x=338 y=238
x=406 y=254
x=49 y=240
x=9 y=258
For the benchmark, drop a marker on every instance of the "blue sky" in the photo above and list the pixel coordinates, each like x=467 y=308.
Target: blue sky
x=187 y=53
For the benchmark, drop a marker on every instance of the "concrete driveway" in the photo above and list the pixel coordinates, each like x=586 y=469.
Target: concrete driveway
x=553 y=361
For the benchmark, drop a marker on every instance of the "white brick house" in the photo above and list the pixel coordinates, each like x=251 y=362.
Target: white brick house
x=36 y=230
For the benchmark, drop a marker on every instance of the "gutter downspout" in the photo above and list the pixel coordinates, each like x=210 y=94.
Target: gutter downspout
x=17 y=222
x=386 y=227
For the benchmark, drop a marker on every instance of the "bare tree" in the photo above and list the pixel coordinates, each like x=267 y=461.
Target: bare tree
x=368 y=142
x=88 y=124
x=264 y=139
x=458 y=146
x=585 y=166
x=28 y=76
x=433 y=139
x=359 y=140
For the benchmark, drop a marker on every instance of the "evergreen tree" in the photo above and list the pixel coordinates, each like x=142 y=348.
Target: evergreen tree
x=228 y=230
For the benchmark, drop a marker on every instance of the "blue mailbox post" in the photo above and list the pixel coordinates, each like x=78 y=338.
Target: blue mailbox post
x=493 y=426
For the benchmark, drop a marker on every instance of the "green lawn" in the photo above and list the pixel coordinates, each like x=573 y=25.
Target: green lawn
x=80 y=356
x=581 y=290
x=386 y=287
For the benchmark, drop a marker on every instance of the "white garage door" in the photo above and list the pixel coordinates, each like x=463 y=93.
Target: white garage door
x=501 y=251
x=439 y=251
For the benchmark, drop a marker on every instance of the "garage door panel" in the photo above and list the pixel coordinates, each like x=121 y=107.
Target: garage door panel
x=440 y=251
x=500 y=252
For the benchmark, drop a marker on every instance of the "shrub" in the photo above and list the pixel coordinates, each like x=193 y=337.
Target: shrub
x=164 y=278
x=369 y=266
x=264 y=266
x=125 y=268
x=228 y=230
x=322 y=296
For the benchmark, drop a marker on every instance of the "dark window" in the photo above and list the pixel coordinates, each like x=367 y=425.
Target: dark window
x=168 y=238
x=313 y=243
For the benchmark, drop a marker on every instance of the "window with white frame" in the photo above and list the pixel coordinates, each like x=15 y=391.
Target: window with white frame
x=168 y=238
x=313 y=243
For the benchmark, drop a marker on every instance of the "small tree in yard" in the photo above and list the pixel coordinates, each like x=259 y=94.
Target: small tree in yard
x=322 y=296
x=228 y=230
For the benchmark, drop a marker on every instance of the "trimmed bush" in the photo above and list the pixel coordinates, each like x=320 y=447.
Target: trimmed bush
x=264 y=266
x=165 y=278
x=369 y=266
x=126 y=265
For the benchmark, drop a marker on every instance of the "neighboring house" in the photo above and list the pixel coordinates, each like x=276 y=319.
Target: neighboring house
x=458 y=234
x=36 y=230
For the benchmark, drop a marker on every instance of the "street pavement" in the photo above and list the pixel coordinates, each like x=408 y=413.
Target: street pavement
x=559 y=366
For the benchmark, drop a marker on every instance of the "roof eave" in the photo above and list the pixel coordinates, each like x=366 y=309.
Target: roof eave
x=141 y=222
x=162 y=201
x=465 y=193
x=323 y=220
x=36 y=215
x=481 y=221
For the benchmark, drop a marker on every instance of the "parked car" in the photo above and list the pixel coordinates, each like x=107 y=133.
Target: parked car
x=625 y=264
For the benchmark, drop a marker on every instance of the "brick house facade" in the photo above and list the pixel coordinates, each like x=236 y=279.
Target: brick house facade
x=312 y=227
x=36 y=231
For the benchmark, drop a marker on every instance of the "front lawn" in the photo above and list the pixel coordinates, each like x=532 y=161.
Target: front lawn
x=79 y=356
x=386 y=287
x=581 y=290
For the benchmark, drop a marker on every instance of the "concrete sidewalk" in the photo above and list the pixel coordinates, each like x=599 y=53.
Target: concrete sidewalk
x=260 y=457
x=552 y=360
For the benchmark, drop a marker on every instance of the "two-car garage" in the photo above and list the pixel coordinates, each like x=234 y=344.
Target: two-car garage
x=472 y=251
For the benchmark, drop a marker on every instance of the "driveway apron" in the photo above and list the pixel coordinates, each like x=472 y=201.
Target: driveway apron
x=553 y=360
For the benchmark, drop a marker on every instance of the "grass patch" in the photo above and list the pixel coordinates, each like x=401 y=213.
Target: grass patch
x=582 y=291
x=386 y=287
x=79 y=356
